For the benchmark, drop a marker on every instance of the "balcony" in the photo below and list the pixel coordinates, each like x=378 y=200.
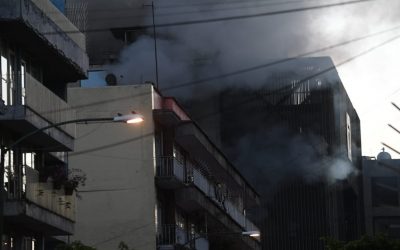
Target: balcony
x=170 y=173
x=210 y=190
x=42 y=108
x=40 y=206
x=40 y=28
x=168 y=112
x=171 y=236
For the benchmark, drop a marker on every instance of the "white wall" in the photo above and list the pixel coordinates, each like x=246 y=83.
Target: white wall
x=118 y=199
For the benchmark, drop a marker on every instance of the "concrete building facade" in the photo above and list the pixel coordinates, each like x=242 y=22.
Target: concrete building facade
x=283 y=135
x=161 y=184
x=381 y=195
x=41 y=52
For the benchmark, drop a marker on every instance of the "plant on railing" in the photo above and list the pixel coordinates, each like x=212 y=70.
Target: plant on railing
x=70 y=179
x=76 y=178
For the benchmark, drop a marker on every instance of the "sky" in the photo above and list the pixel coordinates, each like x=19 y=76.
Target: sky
x=371 y=78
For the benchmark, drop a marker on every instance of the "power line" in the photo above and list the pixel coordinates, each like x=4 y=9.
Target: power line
x=264 y=14
x=251 y=98
x=186 y=5
x=254 y=4
x=233 y=73
x=221 y=19
x=257 y=4
x=262 y=66
x=310 y=77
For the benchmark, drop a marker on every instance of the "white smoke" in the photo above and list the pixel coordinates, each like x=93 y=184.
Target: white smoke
x=190 y=52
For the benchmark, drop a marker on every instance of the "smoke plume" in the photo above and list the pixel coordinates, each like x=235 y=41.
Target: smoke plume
x=188 y=53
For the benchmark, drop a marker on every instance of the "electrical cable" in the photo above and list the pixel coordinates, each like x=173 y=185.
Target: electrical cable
x=221 y=19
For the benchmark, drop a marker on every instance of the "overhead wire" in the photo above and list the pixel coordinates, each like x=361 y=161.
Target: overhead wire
x=222 y=19
x=233 y=73
x=251 y=97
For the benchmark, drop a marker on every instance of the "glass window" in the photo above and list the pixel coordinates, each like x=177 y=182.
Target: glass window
x=23 y=91
x=385 y=192
x=28 y=159
x=4 y=80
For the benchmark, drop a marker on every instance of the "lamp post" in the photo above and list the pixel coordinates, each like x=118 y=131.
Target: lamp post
x=128 y=118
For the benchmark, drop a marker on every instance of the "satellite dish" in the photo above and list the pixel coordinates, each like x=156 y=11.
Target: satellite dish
x=111 y=79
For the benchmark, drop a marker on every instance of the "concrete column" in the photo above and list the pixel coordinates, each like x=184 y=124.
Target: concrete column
x=18 y=242
x=40 y=242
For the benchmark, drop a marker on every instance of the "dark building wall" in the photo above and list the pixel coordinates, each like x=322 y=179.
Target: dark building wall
x=382 y=195
x=281 y=135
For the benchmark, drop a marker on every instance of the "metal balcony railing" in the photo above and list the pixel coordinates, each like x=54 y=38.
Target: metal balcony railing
x=211 y=190
x=171 y=234
x=169 y=166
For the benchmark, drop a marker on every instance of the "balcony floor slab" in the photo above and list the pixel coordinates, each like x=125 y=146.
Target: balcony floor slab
x=29 y=215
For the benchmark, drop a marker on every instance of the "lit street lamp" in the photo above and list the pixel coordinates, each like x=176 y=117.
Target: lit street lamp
x=132 y=118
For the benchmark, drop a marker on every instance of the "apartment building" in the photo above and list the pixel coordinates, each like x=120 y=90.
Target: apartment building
x=41 y=51
x=161 y=184
x=381 y=176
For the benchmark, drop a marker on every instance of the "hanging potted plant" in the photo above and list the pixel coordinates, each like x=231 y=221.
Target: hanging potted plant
x=76 y=178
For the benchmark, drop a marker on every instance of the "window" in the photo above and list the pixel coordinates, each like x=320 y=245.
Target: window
x=385 y=192
x=28 y=160
x=23 y=91
x=4 y=80
x=348 y=127
x=9 y=172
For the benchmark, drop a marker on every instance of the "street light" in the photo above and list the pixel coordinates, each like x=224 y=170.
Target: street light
x=132 y=118
x=253 y=234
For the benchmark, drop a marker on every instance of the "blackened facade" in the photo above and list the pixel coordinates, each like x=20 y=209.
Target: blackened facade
x=284 y=135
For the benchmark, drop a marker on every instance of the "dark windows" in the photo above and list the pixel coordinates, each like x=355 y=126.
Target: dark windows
x=385 y=192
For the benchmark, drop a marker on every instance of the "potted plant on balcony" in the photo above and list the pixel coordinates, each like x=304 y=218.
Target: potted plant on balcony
x=58 y=176
x=76 y=178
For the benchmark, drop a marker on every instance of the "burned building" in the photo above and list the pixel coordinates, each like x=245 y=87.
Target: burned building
x=381 y=195
x=296 y=137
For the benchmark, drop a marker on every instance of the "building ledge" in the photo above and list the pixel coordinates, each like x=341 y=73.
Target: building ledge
x=29 y=215
x=190 y=137
x=21 y=119
x=47 y=35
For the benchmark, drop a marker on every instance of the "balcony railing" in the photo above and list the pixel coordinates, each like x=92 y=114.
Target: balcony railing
x=42 y=194
x=48 y=105
x=211 y=190
x=168 y=166
x=170 y=234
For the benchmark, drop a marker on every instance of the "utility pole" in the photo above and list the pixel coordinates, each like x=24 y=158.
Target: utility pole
x=155 y=40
